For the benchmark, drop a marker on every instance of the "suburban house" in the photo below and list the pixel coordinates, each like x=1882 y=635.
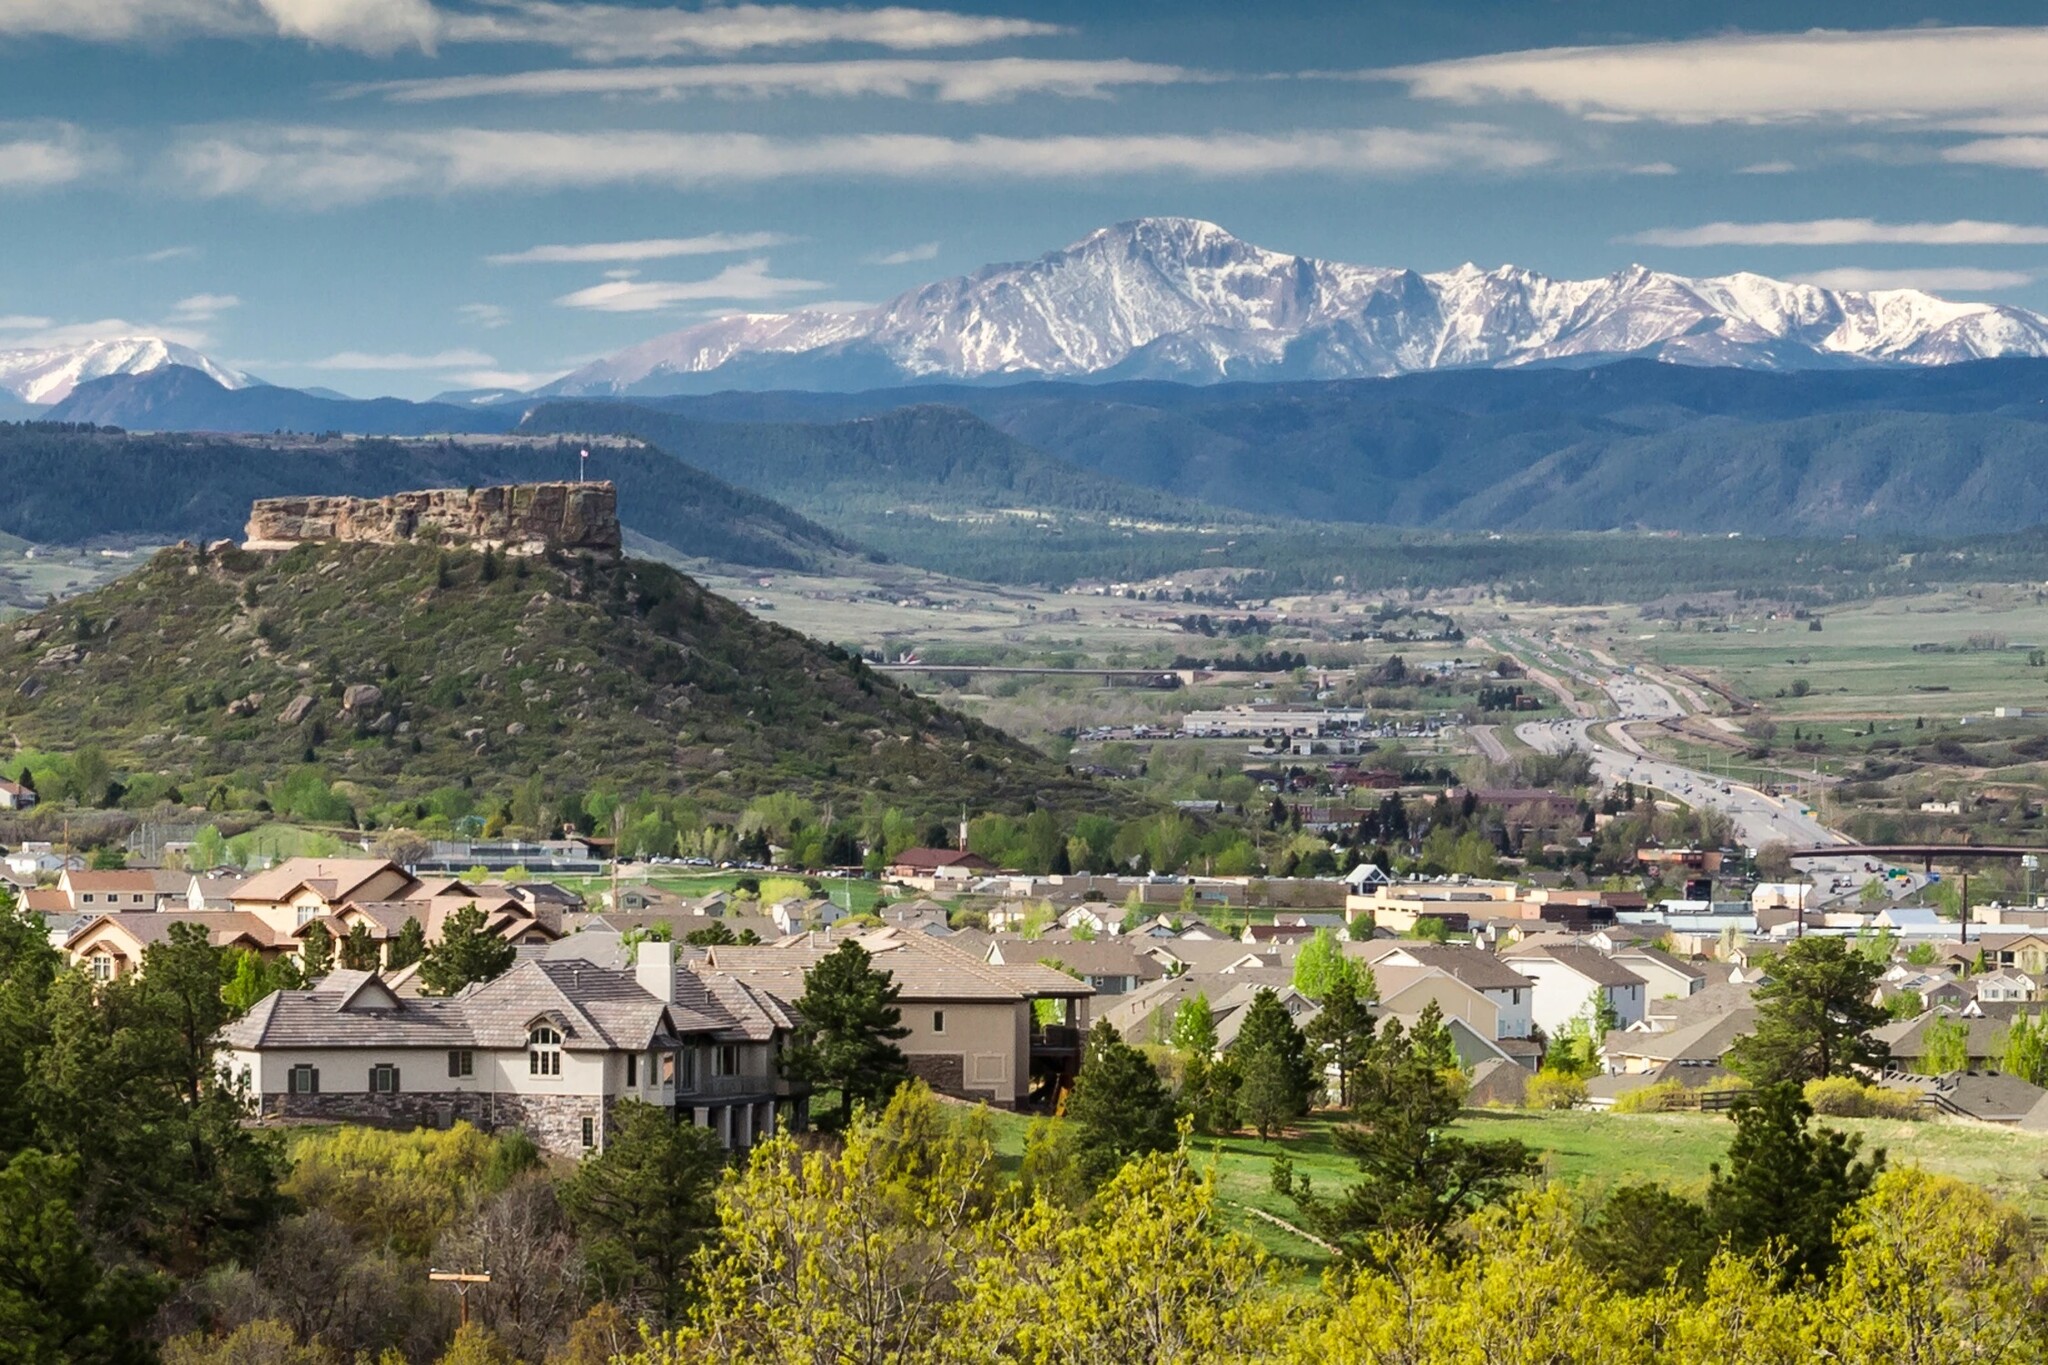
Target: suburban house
x=793 y=916
x=1663 y=974
x=1407 y=990
x=302 y=889
x=432 y=903
x=36 y=856
x=111 y=945
x=1111 y=966
x=14 y=796
x=1907 y=1038
x=973 y=1026
x=108 y=892
x=1568 y=977
x=1699 y=1045
x=926 y=867
x=549 y=1047
x=1510 y=991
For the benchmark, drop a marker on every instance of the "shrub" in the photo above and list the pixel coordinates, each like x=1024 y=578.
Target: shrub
x=1655 y=1099
x=1554 y=1090
x=1845 y=1097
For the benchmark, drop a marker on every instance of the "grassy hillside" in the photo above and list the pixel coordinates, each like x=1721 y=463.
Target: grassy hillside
x=487 y=675
x=68 y=485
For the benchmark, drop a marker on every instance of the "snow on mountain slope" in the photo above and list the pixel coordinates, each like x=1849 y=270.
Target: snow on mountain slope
x=1177 y=298
x=46 y=375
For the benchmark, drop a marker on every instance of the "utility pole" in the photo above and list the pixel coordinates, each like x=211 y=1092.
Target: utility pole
x=462 y=1280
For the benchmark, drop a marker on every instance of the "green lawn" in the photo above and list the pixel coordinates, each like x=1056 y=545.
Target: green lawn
x=1597 y=1151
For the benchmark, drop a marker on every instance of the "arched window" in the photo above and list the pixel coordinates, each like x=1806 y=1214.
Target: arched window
x=543 y=1050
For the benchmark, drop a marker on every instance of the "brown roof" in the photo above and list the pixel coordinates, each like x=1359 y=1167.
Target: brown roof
x=1590 y=963
x=1476 y=967
x=932 y=859
x=924 y=967
x=336 y=879
x=124 y=881
x=222 y=926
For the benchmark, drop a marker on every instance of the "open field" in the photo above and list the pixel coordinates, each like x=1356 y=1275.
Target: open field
x=1596 y=1151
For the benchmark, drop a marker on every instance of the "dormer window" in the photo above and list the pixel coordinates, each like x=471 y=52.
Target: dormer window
x=543 y=1050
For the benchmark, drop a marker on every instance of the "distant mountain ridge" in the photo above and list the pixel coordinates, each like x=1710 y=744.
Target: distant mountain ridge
x=1183 y=299
x=49 y=374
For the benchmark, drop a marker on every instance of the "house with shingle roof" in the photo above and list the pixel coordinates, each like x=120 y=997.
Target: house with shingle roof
x=550 y=1047
x=301 y=889
x=973 y=1026
x=1505 y=986
x=1567 y=978
x=111 y=945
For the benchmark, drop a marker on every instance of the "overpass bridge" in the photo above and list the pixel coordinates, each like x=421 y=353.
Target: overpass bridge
x=1924 y=854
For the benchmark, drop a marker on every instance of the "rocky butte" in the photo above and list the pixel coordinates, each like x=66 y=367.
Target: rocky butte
x=520 y=518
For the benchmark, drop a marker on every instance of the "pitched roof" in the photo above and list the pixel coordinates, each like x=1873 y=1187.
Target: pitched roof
x=149 y=926
x=1098 y=957
x=923 y=967
x=125 y=880
x=336 y=879
x=1477 y=968
x=1705 y=1041
x=1688 y=970
x=932 y=859
x=1589 y=963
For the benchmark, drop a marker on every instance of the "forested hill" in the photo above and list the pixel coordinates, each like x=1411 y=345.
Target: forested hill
x=422 y=670
x=69 y=485
x=1946 y=451
x=865 y=475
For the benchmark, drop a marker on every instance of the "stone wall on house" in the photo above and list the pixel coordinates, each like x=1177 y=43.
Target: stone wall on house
x=520 y=518
x=554 y=1122
x=945 y=1073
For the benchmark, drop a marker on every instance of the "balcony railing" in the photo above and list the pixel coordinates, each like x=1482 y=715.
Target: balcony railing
x=726 y=1087
x=1056 y=1038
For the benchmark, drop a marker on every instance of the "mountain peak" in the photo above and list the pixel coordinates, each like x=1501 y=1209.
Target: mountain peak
x=1184 y=299
x=48 y=374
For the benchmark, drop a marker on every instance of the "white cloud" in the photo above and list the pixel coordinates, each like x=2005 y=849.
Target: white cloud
x=604 y=33
x=747 y=281
x=169 y=253
x=374 y=26
x=400 y=360
x=483 y=314
x=923 y=251
x=501 y=379
x=1961 y=279
x=329 y=165
x=1766 y=168
x=1918 y=73
x=74 y=333
x=2018 y=153
x=42 y=157
x=22 y=322
x=957 y=82
x=203 y=307
x=1654 y=168
x=1847 y=232
x=648 y=249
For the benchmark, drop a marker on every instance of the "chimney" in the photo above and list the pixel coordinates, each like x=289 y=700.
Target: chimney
x=654 y=968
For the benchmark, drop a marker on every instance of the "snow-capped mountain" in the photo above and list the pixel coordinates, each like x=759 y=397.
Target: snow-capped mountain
x=1177 y=298
x=45 y=375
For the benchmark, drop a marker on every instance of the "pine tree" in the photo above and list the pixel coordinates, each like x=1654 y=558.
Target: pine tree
x=851 y=1021
x=644 y=1204
x=316 y=952
x=1787 y=1185
x=1813 y=1016
x=1120 y=1104
x=1278 y=1078
x=468 y=951
x=1342 y=1032
x=1415 y=1177
x=358 y=949
x=410 y=945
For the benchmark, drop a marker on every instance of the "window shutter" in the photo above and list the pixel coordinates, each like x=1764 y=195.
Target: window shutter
x=395 y=1086
x=316 y=1081
x=454 y=1063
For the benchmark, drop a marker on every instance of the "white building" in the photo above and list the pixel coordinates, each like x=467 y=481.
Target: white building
x=1567 y=978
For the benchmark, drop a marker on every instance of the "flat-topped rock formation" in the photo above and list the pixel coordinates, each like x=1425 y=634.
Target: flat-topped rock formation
x=520 y=518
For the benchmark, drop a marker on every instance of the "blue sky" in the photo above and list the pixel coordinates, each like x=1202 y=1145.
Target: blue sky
x=406 y=196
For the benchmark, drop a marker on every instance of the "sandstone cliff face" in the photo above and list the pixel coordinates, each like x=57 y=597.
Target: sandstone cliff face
x=523 y=518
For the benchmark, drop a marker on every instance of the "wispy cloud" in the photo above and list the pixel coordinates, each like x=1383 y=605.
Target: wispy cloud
x=646 y=249
x=22 y=322
x=169 y=253
x=1960 y=279
x=312 y=165
x=605 y=33
x=747 y=281
x=957 y=82
x=101 y=329
x=375 y=26
x=35 y=157
x=483 y=314
x=1846 y=232
x=203 y=307
x=500 y=379
x=1766 y=168
x=400 y=360
x=1918 y=73
x=923 y=251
